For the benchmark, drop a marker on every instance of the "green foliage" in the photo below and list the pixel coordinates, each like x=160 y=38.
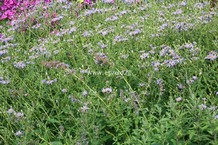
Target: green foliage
x=84 y=86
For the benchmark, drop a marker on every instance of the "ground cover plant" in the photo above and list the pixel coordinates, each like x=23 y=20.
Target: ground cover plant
x=111 y=73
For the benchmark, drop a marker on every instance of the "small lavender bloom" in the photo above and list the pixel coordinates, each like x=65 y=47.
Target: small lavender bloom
x=107 y=90
x=216 y=117
x=194 y=77
x=108 y=1
x=141 y=84
x=120 y=39
x=202 y=106
x=144 y=56
x=177 y=12
x=156 y=69
x=179 y=99
x=56 y=19
x=161 y=13
x=2 y=52
x=217 y=93
x=170 y=63
x=112 y=18
x=190 y=81
x=130 y=1
x=36 y=26
x=199 y=5
x=49 y=82
x=165 y=50
x=20 y=64
x=123 y=12
x=72 y=98
x=163 y=26
x=85 y=108
x=11 y=111
x=89 y=12
x=2 y=81
x=183 y=3
x=212 y=56
x=189 y=45
x=181 y=26
x=71 y=30
x=159 y=81
x=87 y=34
x=19 y=133
x=84 y=93
x=19 y=115
x=135 y=32
x=102 y=45
x=6 y=40
x=171 y=6
x=1 y=35
x=180 y=86
x=64 y=90
x=101 y=58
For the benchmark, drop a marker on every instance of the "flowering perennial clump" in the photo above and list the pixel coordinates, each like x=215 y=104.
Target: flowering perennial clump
x=106 y=75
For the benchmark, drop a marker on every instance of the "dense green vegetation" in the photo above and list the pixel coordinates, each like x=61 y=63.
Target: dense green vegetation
x=112 y=74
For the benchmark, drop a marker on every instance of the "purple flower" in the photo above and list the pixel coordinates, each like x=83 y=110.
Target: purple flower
x=2 y=52
x=159 y=81
x=203 y=106
x=11 y=111
x=49 y=82
x=163 y=26
x=19 y=133
x=85 y=107
x=183 y=3
x=112 y=18
x=20 y=64
x=177 y=12
x=120 y=39
x=194 y=77
x=212 y=55
x=144 y=56
x=85 y=93
x=135 y=32
x=19 y=115
x=180 y=86
x=179 y=99
x=107 y=90
x=64 y=90
x=4 y=82
x=108 y=1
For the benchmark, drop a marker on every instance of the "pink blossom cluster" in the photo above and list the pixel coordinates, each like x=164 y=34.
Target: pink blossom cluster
x=88 y=2
x=9 y=8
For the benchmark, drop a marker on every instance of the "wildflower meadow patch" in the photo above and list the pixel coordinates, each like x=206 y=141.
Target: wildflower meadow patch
x=108 y=72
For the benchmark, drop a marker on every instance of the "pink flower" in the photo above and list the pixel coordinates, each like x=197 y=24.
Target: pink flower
x=11 y=7
x=7 y=14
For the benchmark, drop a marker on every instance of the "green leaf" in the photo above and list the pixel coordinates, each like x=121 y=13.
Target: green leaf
x=52 y=120
x=56 y=143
